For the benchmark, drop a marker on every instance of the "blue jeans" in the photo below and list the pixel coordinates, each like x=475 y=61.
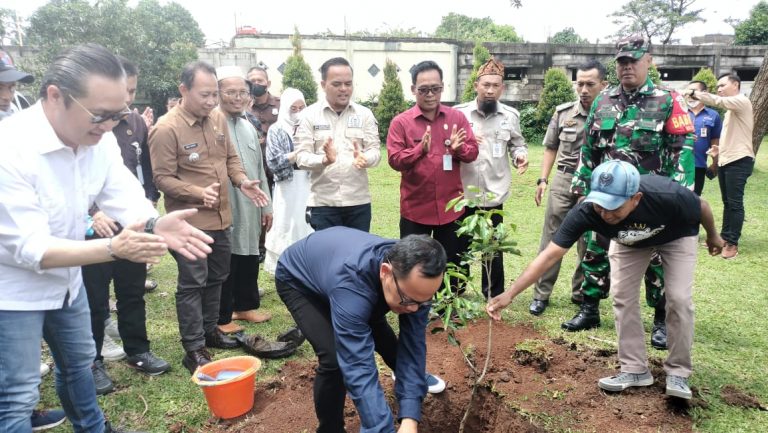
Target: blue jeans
x=733 y=180
x=68 y=334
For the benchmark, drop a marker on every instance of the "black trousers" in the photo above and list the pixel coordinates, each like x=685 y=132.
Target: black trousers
x=198 y=291
x=497 y=263
x=240 y=292
x=129 y=278
x=356 y=217
x=454 y=246
x=313 y=317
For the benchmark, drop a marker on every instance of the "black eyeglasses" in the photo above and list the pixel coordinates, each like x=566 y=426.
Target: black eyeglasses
x=424 y=91
x=114 y=117
x=405 y=301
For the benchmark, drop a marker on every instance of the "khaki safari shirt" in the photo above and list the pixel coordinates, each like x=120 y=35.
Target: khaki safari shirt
x=498 y=139
x=338 y=184
x=565 y=134
x=736 y=136
x=188 y=155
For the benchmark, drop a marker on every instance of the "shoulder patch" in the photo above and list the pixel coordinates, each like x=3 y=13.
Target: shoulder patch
x=565 y=106
x=678 y=122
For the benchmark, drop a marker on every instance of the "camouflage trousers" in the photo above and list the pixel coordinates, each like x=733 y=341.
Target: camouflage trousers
x=597 y=271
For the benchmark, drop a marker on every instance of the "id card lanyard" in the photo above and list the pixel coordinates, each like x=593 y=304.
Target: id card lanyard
x=139 y=172
x=447 y=158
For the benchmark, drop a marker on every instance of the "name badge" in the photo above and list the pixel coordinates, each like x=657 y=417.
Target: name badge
x=447 y=162
x=354 y=122
x=190 y=146
x=703 y=132
x=497 y=149
x=322 y=127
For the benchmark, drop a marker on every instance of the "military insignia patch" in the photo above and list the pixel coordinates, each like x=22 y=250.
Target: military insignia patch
x=570 y=122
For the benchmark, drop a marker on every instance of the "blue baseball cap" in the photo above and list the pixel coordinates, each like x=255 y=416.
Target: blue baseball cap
x=613 y=183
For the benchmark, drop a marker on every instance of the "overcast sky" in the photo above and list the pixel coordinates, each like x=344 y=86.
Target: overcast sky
x=535 y=21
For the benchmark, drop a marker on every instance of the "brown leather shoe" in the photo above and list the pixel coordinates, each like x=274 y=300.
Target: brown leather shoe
x=730 y=251
x=230 y=328
x=196 y=358
x=252 y=316
x=261 y=347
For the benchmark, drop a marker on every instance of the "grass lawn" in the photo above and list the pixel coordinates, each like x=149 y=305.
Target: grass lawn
x=730 y=345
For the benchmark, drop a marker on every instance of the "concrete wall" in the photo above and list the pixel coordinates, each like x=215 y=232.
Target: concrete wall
x=455 y=57
x=363 y=54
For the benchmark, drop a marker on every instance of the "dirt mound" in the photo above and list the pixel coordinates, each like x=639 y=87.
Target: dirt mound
x=534 y=385
x=736 y=397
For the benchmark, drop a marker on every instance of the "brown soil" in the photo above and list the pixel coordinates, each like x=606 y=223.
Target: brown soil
x=550 y=387
x=736 y=397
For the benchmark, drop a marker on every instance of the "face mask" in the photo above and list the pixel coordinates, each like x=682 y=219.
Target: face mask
x=294 y=118
x=693 y=104
x=258 y=90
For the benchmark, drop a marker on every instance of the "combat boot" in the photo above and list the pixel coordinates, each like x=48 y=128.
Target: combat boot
x=659 y=331
x=588 y=316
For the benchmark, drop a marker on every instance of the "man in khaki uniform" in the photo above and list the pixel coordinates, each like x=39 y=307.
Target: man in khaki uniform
x=499 y=140
x=562 y=143
x=193 y=159
x=337 y=140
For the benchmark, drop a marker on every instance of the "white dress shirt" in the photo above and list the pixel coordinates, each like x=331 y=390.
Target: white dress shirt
x=46 y=189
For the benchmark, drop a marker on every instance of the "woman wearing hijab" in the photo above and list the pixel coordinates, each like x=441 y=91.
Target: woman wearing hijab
x=289 y=201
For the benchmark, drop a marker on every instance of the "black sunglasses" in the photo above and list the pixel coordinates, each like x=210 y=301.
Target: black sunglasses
x=114 y=117
x=424 y=91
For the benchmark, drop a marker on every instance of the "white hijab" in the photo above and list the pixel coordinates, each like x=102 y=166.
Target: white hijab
x=284 y=121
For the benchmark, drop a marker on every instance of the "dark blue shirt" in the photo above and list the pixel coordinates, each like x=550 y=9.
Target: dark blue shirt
x=707 y=125
x=341 y=265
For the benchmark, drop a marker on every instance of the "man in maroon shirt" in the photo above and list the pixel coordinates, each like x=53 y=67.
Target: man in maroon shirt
x=426 y=144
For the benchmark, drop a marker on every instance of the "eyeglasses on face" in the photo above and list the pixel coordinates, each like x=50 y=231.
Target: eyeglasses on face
x=424 y=91
x=235 y=93
x=405 y=301
x=114 y=117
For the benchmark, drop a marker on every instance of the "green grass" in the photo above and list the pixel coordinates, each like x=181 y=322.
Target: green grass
x=730 y=342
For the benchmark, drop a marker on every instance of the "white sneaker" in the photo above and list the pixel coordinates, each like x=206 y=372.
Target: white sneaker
x=110 y=328
x=44 y=369
x=435 y=385
x=111 y=351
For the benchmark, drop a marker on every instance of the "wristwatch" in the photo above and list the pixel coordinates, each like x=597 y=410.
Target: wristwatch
x=542 y=180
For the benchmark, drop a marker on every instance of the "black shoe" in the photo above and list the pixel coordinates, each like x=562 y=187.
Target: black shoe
x=196 y=358
x=219 y=340
x=148 y=363
x=257 y=346
x=101 y=379
x=588 y=317
x=659 y=335
x=109 y=429
x=538 y=306
x=293 y=335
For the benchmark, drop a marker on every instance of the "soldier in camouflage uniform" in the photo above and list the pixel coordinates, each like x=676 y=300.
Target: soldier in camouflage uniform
x=649 y=127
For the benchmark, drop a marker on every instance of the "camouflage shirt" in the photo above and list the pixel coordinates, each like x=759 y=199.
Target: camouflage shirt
x=650 y=129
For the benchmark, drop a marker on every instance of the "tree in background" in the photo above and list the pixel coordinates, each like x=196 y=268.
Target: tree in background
x=391 y=100
x=654 y=18
x=705 y=75
x=567 y=36
x=297 y=73
x=480 y=55
x=160 y=39
x=759 y=98
x=753 y=30
x=613 y=79
x=462 y=27
x=557 y=90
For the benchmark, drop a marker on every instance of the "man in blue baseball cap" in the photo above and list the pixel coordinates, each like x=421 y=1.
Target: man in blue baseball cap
x=639 y=214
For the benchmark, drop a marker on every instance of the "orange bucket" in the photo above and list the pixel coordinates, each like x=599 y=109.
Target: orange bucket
x=232 y=397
